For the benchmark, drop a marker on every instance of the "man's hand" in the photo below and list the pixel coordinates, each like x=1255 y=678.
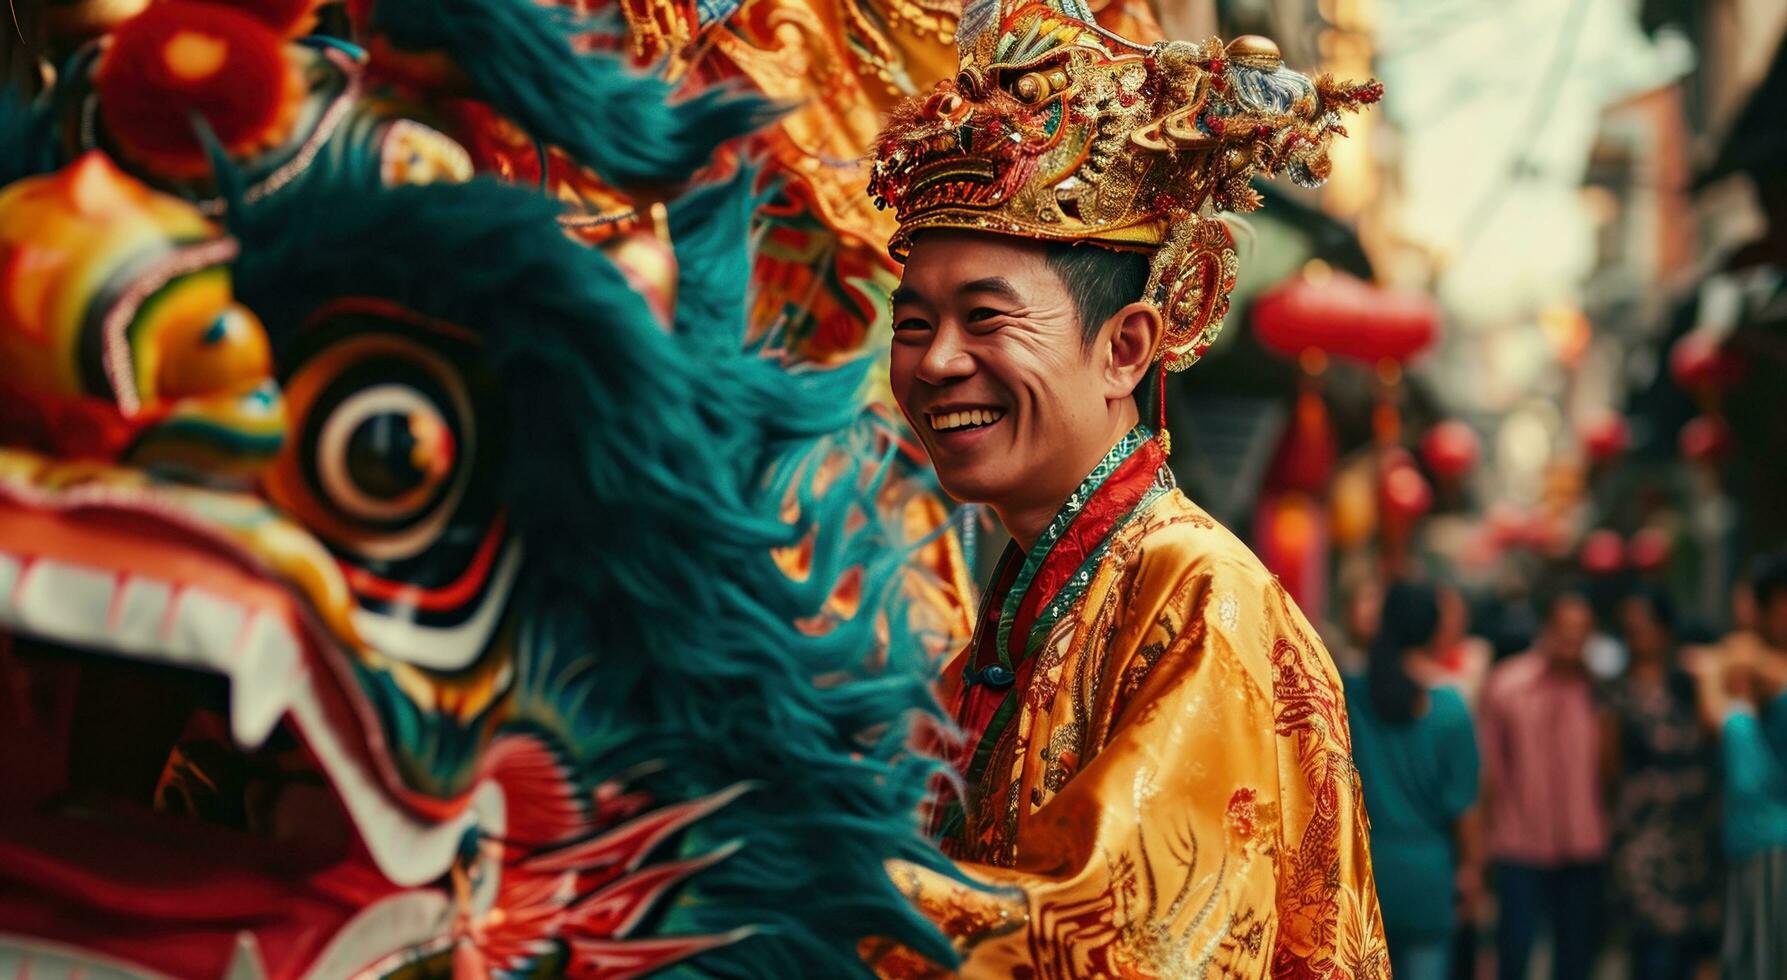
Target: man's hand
x=1768 y=672
x=1707 y=665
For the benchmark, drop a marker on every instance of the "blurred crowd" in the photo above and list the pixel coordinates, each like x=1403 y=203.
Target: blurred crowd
x=1579 y=783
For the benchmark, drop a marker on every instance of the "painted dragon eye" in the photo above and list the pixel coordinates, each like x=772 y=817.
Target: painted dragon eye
x=384 y=453
x=971 y=82
x=384 y=445
x=1037 y=82
x=393 y=464
x=1031 y=87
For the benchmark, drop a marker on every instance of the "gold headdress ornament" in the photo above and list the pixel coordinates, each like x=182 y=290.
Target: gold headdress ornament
x=1058 y=129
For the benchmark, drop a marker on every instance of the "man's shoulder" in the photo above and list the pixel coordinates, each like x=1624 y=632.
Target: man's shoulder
x=1178 y=538
x=1223 y=582
x=1448 y=705
x=1516 y=671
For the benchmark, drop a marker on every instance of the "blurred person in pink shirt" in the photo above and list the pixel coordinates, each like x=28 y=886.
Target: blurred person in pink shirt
x=1545 y=761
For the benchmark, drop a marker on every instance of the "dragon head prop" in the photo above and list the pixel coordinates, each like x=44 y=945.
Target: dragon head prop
x=387 y=592
x=1057 y=129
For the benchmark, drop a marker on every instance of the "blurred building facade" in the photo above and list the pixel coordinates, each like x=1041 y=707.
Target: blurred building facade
x=1540 y=168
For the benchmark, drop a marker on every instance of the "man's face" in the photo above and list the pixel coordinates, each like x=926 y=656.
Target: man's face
x=989 y=367
x=1572 y=622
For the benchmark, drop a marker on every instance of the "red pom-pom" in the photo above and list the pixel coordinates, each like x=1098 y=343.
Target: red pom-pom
x=1648 y=551
x=178 y=59
x=1706 y=439
x=1451 y=449
x=1403 y=494
x=1603 y=553
x=288 y=18
x=1699 y=363
x=1604 y=436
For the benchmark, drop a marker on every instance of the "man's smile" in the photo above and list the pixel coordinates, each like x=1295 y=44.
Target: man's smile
x=956 y=419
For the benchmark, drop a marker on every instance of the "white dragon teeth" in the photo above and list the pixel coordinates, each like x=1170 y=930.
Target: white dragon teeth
x=269 y=653
x=41 y=960
x=157 y=621
x=65 y=601
x=138 y=615
x=957 y=420
x=245 y=962
x=203 y=632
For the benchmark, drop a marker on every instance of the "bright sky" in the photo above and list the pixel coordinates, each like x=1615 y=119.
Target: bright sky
x=1481 y=90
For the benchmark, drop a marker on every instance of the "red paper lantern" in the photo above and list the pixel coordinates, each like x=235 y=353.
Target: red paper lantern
x=1649 y=549
x=1451 y=449
x=1699 y=362
x=1344 y=316
x=1605 y=436
x=1705 y=439
x=1404 y=493
x=1506 y=525
x=1603 y=553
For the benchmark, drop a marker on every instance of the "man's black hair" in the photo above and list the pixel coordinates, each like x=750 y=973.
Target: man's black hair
x=1655 y=599
x=1100 y=280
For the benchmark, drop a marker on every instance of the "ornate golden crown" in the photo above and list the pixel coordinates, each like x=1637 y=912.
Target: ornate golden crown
x=1058 y=129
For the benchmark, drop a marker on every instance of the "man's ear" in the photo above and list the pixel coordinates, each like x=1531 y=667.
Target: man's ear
x=1132 y=335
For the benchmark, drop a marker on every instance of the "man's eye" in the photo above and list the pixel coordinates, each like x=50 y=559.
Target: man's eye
x=984 y=313
x=910 y=326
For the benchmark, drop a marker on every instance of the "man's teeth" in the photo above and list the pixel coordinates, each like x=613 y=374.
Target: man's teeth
x=948 y=421
x=157 y=621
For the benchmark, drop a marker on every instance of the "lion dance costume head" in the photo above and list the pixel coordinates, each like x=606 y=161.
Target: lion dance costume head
x=390 y=587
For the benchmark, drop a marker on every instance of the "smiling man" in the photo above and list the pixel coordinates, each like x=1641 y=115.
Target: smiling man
x=1155 y=764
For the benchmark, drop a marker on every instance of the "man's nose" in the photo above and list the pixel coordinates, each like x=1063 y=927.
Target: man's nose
x=947 y=359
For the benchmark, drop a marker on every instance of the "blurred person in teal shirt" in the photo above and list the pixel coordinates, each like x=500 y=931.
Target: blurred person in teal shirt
x=1417 y=758
x=1743 y=691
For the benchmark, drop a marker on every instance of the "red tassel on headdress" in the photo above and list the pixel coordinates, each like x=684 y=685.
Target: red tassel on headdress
x=1160 y=409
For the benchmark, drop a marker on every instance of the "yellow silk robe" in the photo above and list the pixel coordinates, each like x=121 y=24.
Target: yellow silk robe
x=1173 y=795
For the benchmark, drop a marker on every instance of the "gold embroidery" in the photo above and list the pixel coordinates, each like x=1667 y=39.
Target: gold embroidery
x=1228 y=611
x=1062 y=756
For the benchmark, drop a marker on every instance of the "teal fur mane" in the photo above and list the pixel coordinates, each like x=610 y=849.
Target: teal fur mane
x=645 y=475
x=617 y=121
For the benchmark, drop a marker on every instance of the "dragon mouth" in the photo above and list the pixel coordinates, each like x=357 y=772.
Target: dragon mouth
x=970 y=182
x=186 y=754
